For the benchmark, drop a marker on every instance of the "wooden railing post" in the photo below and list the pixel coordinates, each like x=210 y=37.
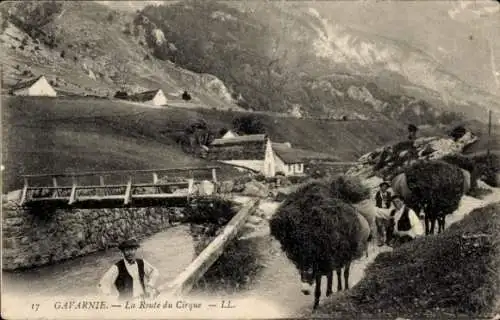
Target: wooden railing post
x=25 y=191
x=214 y=179
x=54 y=182
x=72 y=197
x=101 y=182
x=155 y=181
x=128 y=191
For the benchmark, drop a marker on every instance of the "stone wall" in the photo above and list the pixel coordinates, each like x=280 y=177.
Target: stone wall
x=35 y=237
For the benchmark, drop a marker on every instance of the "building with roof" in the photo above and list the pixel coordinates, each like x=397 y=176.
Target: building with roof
x=253 y=152
x=38 y=87
x=229 y=134
x=154 y=97
x=287 y=160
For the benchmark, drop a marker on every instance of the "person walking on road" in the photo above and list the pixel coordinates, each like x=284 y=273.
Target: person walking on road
x=382 y=201
x=131 y=277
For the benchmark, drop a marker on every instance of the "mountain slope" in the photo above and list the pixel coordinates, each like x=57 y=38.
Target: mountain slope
x=88 y=48
x=273 y=56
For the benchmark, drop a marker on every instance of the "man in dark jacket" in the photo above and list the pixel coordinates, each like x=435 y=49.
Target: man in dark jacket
x=131 y=277
x=382 y=200
x=406 y=225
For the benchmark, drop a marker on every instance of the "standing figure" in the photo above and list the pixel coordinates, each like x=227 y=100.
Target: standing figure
x=131 y=277
x=406 y=225
x=383 y=201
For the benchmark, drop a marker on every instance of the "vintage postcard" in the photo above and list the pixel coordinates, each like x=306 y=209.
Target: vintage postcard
x=207 y=159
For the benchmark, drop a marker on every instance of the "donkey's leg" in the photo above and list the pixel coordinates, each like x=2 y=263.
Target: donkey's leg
x=427 y=222
x=346 y=275
x=441 y=223
x=433 y=224
x=339 y=279
x=329 y=283
x=317 y=291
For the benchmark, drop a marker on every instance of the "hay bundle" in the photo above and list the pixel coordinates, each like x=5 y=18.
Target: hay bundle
x=350 y=190
x=436 y=185
x=314 y=228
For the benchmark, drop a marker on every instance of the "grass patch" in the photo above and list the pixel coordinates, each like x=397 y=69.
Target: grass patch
x=46 y=135
x=451 y=274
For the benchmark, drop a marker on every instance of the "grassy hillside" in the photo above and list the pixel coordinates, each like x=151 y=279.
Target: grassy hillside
x=63 y=134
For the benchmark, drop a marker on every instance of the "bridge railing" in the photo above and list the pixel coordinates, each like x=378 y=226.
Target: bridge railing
x=158 y=188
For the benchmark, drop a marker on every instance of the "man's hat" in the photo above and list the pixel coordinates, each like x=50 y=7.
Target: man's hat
x=385 y=183
x=396 y=196
x=130 y=243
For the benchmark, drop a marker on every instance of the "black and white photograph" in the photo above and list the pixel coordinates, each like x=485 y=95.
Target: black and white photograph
x=250 y=159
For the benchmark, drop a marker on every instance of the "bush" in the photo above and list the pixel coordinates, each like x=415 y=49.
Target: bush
x=121 y=95
x=249 y=124
x=297 y=179
x=260 y=177
x=186 y=96
x=215 y=211
x=240 y=262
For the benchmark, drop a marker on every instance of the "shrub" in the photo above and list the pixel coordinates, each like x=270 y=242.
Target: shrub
x=121 y=95
x=186 y=96
x=249 y=124
x=260 y=177
x=240 y=262
x=216 y=211
x=297 y=179
x=63 y=54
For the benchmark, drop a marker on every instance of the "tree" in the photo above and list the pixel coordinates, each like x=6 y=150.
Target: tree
x=186 y=96
x=248 y=124
x=121 y=95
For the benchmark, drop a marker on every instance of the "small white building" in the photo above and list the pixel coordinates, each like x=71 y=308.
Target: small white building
x=154 y=97
x=38 y=87
x=253 y=152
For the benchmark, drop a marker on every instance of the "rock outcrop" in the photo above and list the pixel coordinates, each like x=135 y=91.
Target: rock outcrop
x=385 y=161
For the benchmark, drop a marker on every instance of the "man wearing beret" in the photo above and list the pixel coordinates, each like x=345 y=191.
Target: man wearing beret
x=382 y=201
x=131 y=277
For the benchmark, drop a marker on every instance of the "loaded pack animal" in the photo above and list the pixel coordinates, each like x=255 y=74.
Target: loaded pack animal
x=435 y=187
x=321 y=233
